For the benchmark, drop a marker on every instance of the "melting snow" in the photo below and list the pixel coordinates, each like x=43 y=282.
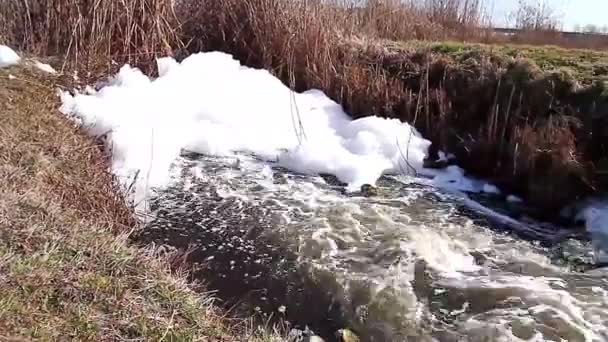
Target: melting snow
x=8 y=57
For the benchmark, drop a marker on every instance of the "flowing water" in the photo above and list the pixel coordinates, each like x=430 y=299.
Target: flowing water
x=412 y=263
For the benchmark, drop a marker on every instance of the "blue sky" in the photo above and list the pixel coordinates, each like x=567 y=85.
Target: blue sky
x=573 y=12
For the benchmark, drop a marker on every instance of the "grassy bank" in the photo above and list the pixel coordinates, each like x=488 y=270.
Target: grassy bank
x=530 y=118
x=66 y=270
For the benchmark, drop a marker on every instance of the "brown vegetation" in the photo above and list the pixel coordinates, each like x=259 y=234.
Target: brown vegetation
x=90 y=32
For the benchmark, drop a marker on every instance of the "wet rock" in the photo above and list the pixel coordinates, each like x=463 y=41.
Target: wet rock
x=368 y=190
x=345 y=335
x=297 y=335
x=435 y=164
x=332 y=180
x=480 y=258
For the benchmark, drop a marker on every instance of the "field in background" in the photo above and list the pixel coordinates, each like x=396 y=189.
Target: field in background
x=530 y=117
x=138 y=30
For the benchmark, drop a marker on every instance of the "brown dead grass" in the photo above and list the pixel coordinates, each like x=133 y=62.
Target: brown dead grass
x=91 y=32
x=66 y=270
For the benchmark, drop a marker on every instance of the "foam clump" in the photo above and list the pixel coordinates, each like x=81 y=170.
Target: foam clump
x=595 y=215
x=8 y=56
x=210 y=104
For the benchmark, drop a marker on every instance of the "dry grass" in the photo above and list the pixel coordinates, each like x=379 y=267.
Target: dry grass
x=66 y=271
x=89 y=32
x=406 y=20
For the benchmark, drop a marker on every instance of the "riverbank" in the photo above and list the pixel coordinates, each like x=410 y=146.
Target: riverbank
x=528 y=118
x=68 y=271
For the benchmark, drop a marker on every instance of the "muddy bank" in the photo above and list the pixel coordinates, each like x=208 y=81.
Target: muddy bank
x=533 y=131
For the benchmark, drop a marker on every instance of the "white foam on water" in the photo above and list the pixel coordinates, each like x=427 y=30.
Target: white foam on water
x=339 y=231
x=547 y=305
x=446 y=249
x=442 y=253
x=45 y=67
x=595 y=215
x=212 y=105
x=491 y=189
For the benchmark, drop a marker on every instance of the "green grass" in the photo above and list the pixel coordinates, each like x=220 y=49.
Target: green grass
x=66 y=269
x=587 y=65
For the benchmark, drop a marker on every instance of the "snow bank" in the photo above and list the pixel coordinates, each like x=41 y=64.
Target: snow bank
x=211 y=104
x=8 y=57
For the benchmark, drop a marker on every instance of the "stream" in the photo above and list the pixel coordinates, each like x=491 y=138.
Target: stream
x=413 y=263
x=224 y=163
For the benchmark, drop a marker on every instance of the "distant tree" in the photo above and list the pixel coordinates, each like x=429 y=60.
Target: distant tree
x=459 y=12
x=536 y=16
x=591 y=28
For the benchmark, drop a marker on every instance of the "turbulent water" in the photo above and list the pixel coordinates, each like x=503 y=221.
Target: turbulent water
x=412 y=263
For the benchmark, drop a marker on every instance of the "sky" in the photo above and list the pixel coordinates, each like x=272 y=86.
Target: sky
x=572 y=12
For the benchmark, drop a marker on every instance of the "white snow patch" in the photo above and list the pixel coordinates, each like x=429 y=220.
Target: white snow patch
x=8 y=57
x=45 y=67
x=212 y=105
